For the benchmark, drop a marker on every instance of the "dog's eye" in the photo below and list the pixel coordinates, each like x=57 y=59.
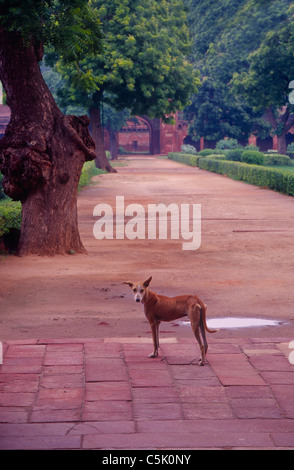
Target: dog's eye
x=134 y=290
x=141 y=291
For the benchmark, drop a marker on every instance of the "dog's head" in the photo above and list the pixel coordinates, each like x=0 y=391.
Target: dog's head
x=139 y=289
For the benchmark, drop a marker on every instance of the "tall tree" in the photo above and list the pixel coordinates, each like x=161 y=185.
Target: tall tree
x=266 y=84
x=113 y=121
x=142 y=67
x=43 y=151
x=224 y=35
x=215 y=114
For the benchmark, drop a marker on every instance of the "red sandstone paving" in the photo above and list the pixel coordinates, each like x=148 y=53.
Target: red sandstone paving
x=169 y=440
x=85 y=396
x=109 y=391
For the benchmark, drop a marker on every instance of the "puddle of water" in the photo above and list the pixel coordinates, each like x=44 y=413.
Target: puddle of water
x=235 y=322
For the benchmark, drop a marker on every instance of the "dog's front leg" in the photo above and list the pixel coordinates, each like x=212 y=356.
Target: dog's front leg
x=155 y=338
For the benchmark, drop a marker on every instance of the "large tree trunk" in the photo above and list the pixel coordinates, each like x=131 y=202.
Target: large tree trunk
x=113 y=143
x=282 y=143
x=97 y=134
x=41 y=154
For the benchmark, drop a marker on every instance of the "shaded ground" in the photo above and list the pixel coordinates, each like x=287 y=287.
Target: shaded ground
x=243 y=268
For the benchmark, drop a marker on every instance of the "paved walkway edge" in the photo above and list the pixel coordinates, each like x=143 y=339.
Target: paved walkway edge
x=107 y=394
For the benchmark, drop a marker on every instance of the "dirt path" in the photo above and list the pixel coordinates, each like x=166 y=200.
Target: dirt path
x=244 y=266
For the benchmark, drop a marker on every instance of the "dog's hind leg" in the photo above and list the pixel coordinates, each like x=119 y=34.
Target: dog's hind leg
x=203 y=335
x=155 y=338
x=195 y=320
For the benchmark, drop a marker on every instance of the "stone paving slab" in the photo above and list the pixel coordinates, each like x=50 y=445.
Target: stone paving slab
x=107 y=394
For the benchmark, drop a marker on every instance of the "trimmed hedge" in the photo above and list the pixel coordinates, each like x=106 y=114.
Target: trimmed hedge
x=252 y=157
x=190 y=159
x=258 y=175
x=279 y=180
x=187 y=158
x=277 y=159
x=206 y=152
x=234 y=155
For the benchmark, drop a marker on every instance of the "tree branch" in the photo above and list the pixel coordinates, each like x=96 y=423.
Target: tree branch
x=290 y=122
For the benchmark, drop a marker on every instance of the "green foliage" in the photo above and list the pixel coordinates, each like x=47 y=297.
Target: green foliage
x=277 y=159
x=290 y=150
x=277 y=179
x=252 y=157
x=143 y=66
x=227 y=144
x=113 y=119
x=186 y=148
x=208 y=21
x=10 y=216
x=185 y=158
x=265 y=84
x=271 y=70
x=71 y=27
x=206 y=152
x=2 y=193
x=225 y=33
x=88 y=171
x=234 y=155
x=68 y=29
x=251 y=147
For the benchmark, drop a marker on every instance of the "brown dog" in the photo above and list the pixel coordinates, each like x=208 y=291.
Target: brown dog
x=160 y=308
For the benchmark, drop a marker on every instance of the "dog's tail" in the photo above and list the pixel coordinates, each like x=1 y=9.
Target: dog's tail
x=203 y=317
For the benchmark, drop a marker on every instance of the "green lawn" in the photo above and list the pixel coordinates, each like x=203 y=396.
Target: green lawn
x=283 y=167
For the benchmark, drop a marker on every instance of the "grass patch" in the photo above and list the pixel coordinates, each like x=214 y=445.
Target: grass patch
x=288 y=168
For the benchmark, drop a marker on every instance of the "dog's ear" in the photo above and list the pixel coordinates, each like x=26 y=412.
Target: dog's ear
x=129 y=283
x=146 y=283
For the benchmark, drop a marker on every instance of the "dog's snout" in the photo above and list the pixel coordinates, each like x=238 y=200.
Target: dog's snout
x=137 y=299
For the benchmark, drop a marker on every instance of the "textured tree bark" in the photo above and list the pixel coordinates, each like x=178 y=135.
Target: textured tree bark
x=282 y=143
x=97 y=133
x=113 y=143
x=41 y=154
x=283 y=123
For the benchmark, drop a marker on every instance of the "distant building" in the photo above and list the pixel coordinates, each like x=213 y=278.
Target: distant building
x=153 y=136
x=144 y=135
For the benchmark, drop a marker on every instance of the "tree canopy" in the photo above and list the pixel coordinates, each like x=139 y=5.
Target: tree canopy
x=225 y=33
x=265 y=85
x=143 y=65
x=70 y=27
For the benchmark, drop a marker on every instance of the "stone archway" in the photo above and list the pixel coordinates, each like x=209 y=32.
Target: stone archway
x=135 y=135
x=143 y=134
